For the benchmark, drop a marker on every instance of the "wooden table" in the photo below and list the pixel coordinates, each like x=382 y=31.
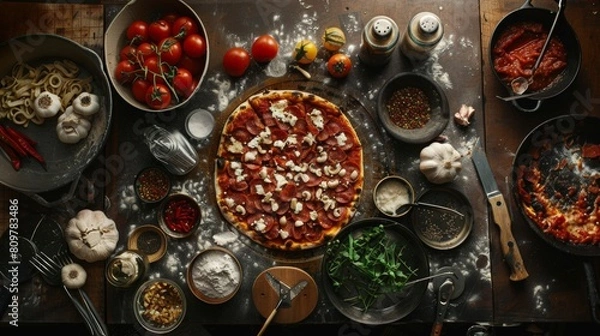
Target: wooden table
x=556 y=288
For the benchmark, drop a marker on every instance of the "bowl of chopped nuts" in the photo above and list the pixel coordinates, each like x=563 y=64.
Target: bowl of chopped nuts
x=413 y=108
x=159 y=305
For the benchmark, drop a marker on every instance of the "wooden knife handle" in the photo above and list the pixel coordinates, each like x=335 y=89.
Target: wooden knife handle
x=510 y=250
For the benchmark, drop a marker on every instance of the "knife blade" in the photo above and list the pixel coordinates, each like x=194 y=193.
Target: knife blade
x=500 y=215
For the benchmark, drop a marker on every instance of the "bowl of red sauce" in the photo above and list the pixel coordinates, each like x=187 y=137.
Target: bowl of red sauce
x=516 y=44
x=179 y=215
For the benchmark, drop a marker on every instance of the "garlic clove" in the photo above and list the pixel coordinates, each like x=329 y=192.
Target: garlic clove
x=464 y=114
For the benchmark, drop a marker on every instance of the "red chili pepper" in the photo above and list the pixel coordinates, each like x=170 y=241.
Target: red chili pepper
x=22 y=135
x=26 y=145
x=13 y=143
x=12 y=155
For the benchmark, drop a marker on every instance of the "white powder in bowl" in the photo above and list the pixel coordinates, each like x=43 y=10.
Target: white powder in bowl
x=216 y=274
x=391 y=194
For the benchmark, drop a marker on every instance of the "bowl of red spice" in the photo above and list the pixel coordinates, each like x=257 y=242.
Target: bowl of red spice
x=179 y=215
x=152 y=184
x=413 y=108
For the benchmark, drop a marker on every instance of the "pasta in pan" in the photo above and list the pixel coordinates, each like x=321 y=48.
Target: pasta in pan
x=20 y=88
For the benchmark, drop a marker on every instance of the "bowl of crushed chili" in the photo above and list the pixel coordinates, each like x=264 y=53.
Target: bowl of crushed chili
x=152 y=184
x=413 y=108
x=179 y=215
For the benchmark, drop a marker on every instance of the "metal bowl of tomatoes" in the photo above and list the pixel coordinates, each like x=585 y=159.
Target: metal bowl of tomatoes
x=156 y=56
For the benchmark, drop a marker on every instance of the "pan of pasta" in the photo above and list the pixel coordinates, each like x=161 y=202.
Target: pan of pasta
x=56 y=105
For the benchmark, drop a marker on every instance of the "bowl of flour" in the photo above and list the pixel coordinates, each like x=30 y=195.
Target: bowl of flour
x=214 y=275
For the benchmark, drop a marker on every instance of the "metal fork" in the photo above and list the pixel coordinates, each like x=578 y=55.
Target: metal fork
x=51 y=269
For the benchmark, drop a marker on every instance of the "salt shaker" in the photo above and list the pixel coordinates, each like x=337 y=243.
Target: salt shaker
x=379 y=40
x=172 y=149
x=423 y=33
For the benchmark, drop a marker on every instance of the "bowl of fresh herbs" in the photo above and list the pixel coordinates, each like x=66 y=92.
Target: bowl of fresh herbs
x=370 y=268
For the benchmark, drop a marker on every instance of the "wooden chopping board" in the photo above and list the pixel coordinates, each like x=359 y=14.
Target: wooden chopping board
x=83 y=23
x=265 y=297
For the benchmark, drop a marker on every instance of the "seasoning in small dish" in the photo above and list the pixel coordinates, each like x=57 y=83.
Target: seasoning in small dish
x=392 y=192
x=152 y=184
x=214 y=275
x=409 y=108
x=159 y=305
x=179 y=215
x=150 y=240
x=199 y=124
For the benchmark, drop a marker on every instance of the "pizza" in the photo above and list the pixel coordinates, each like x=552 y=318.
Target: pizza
x=559 y=190
x=289 y=169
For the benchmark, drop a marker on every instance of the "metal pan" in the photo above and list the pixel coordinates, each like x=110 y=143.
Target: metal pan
x=557 y=140
x=65 y=161
x=528 y=13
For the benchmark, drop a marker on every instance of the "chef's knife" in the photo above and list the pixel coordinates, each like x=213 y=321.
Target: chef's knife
x=500 y=215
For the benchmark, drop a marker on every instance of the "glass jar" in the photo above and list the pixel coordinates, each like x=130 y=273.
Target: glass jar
x=127 y=268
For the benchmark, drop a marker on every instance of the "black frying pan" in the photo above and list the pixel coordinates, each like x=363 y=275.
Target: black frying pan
x=559 y=140
x=527 y=12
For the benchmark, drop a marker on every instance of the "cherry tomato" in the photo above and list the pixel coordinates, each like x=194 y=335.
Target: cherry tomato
x=183 y=82
x=305 y=52
x=125 y=72
x=339 y=65
x=137 y=32
x=264 y=48
x=128 y=53
x=194 y=45
x=139 y=87
x=159 y=30
x=158 y=96
x=170 y=18
x=154 y=73
x=145 y=50
x=184 y=26
x=236 y=61
x=169 y=50
x=193 y=65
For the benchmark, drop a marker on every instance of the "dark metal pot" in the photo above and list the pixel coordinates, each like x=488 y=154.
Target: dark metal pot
x=528 y=13
x=561 y=132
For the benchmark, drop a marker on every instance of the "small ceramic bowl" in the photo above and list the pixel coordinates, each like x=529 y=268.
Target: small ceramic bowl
x=390 y=193
x=152 y=297
x=179 y=215
x=410 y=85
x=152 y=184
x=214 y=285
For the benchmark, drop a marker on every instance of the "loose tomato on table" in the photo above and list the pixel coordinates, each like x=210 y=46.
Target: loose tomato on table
x=305 y=52
x=184 y=26
x=339 y=65
x=137 y=32
x=194 y=45
x=158 y=96
x=236 y=61
x=159 y=30
x=169 y=50
x=264 y=48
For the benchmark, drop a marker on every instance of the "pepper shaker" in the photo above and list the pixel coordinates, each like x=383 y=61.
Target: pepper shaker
x=379 y=40
x=422 y=34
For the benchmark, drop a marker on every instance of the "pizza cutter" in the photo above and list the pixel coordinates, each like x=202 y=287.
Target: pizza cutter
x=286 y=295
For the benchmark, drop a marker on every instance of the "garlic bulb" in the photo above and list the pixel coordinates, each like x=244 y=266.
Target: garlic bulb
x=72 y=127
x=91 y=236
x=440 y=162
x=86 y=104
x=73 y=276
x=46 y=105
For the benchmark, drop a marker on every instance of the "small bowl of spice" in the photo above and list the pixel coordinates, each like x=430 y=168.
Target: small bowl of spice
x=159 y=305
x=152 y=184
x=179 y=215
x=413 y=108
x=390 y=193
x=150 y=240
x=214 y=275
